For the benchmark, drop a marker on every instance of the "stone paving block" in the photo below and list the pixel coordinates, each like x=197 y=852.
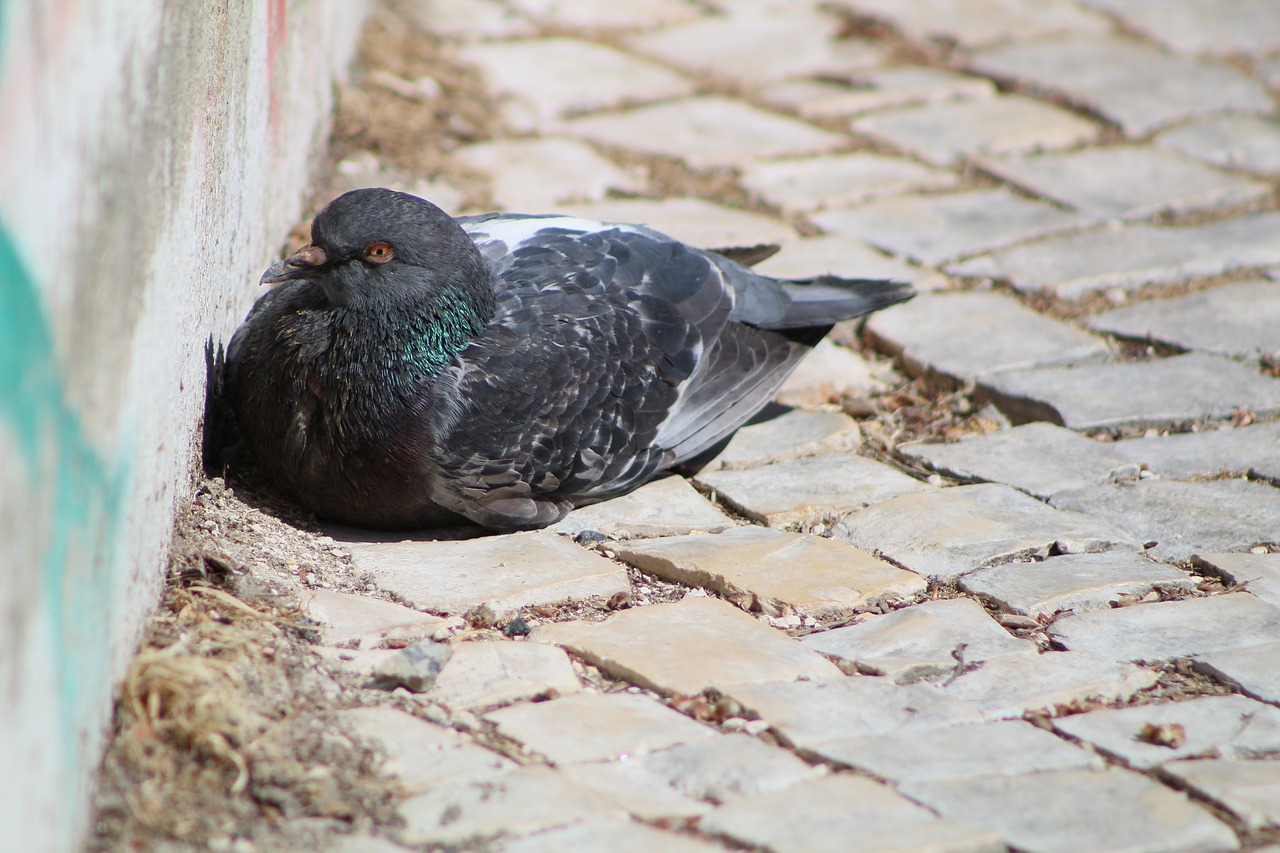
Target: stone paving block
x=794 y=434
x=1251 y=143
x=1171 y=629
x=692 y=220
x=1252 y=669
x=422 y=756
x=920 y=641
x=1163 y=392
x=1072 y=811
x=592 y=15
x=808 y=714
x=614 y=837
x=1013 y=685
x=1074 y=582
x=687 y=646
x=360 y=663
x=807 y=491
x=943 y=134
x=815 y=183
x=705 y=131
x=1127 y=182
x=1235 y=320
x=484 y=674
x=469 y=19
x=968 y=334
x=974 y=23
x=354 y=842
x=1253 y=449
x=844 y=814
x=540 y=81
x=666 y=507
x=1038 y=458
x=1227 y=726
x=1244 y=241
x=347 y=617
x=364 y=169
x=933 y=229
x=945 y=533
x=1138 y=86
x=1248 y=789
x=1183 y=518
x=1004 y=748
x=840 y=255
x=523 y=801
x=828 y=374
x=1260 y=571
x=816 y=576
x=630 y=786
x=877 y=89
x=727 y=768
x=536 y=174
x=1202 y=26
x=596 y=726
x=505 y=573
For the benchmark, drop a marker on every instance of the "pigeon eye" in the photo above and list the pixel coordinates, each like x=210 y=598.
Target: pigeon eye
x=378 y=253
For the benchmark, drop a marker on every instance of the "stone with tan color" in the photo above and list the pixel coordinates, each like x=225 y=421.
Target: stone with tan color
x=974 y=23
x=876 y=89
x=632 y=786
x=815 y=183
x=1248 y=789
x=666 y=507
x=532 y=175
x=590 y=14
x=366 y=622
x=826 y=375
x=690 y=220
x=791 y=435
x=484 y=674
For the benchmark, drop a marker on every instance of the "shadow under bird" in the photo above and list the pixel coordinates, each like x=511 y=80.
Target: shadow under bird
x=414 y=370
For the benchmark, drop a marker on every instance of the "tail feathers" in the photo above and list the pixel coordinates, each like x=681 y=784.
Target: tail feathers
x=829 y=299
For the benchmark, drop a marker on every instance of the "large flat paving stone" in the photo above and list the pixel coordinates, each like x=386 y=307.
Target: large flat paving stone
x=813 y=183
x=844 y=814
x=470 y=20
x=1202 y=26
x=1183 y=518
x=816 y=489
x=1136 y=85
x=1235 y=320
x=627 y=837
x=816 y=576
x=877 y=89
x=1254 y=450
x=1159 y=393
x=1074 y=582
x=934 y=229
x=945 y=533
x=630 y=786
x=484 y=674
x=666 y=507
x=841 y=255
x=1127 y=182
x=968 y=334
x=1172 y=629
x=727 y=768
x=367 y=622
x=1003 y=748
x=588 y=14
x=828 y=374
x=944 y=134
x=1227 y=726
x=1038 y=458
x=1260 y=571
x=974 y=23
x=536 y=174
x=596 y=726
x=1249 y=143
x=1251 y=668
x=806 y=714
x=691 y=220
x=503 y=572
x=705 y=131
x=794 y=434
x=1248 y=789
x=686 y=647
x=921 y=641
x=1072 y=811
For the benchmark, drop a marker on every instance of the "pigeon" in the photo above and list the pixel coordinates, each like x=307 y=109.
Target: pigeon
x=411 y=370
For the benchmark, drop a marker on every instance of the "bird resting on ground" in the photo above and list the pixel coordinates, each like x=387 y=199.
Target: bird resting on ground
x=411 y=369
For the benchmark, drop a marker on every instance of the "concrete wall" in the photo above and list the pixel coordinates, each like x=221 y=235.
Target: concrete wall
x=152 y=155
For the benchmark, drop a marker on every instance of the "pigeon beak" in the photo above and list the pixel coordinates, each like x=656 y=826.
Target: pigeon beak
x=297 y=265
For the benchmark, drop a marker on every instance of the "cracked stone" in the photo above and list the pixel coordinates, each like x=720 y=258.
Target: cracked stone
x=1251 y=143
x=1074 y=582
x=816 y=576
x=628 y=837
x=815 y=183
x=839 y=255
x=921 y=641
x=727 y=768
x=945 y=533
x=368 y=622
x=634 y=788
x=1172 y=629
x=1260 y=571
x=484 y=674
x=877 y=89
x=1254 y=450
x=687 y=646
x=1203 y=26
x=974 y=23
x=666 y=507
x=691 y=220
x=536 y=174
x=1252 y=669
x=1248 y=789
x=794 y=434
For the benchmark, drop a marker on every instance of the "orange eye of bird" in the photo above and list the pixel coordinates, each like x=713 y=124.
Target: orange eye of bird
x=379 y=253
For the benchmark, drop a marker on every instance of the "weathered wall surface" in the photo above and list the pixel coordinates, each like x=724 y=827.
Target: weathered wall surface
x=151 y=155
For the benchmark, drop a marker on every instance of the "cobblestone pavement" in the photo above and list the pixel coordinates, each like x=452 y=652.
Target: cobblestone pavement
x=1060 y=632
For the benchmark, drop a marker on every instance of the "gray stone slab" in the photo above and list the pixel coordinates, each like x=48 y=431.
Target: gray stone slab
x=1249 y=143
x=813 y=490
x=946 y=533
x=367 y=622
x=806 y=714
x=968 y=334
x=1238 y=320
x=877 y=89
x=630 y=786
x=1137 y=85
x=691 y=220
x=1260 y=571
x=828 y=374
x=974 y=23
x=503 y=572
x=844 y=814
x=1227 y=726
x=705 y=131
x=1202 y=26
x=1172 y=629
x=1158 y=393
x=1074 y=582
x=1003 y=748
x=591 y=15
x=840 y=255
x=1038 y=458
x=1252 y=669
x=666 y=507
x=816 y=183
x=794 y=434
x=628 y=837
x=934 y=229
x=536 y=174
x=944 y=134
x=1073 y=811
x=1254 y=450
x=727 y=768
x=1243 y=241
x=485 y=674
x=469 y=19
x=1183 y=518
x=1248 y=789
x=920 y=641
x=1127 y=182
